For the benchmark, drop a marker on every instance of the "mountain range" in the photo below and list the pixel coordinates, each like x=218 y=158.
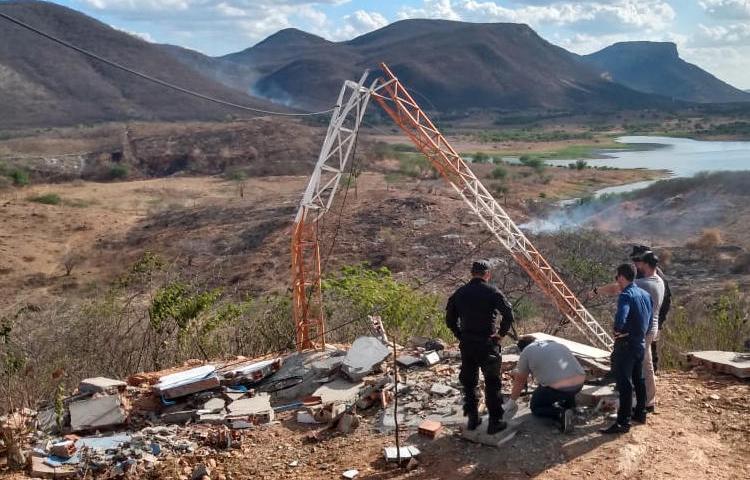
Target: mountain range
x=449 y=66
x=45 y=84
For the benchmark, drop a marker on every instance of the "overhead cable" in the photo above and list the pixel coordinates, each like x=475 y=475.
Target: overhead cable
x=154 y=79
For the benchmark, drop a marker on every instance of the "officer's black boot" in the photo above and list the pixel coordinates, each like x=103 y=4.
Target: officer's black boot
x=474 y=420
x=496 y=425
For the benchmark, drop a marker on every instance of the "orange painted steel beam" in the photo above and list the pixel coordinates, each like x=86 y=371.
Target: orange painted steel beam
x=404 y=110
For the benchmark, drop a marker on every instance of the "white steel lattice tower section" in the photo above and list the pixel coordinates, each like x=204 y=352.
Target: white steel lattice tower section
x=337 y=150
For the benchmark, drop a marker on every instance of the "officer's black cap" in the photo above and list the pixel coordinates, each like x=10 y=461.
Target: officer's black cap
x=480 y=267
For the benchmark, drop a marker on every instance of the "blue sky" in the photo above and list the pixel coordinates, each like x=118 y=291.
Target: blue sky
x=714 y=34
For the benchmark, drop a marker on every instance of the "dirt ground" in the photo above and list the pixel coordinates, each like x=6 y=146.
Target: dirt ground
x=241 y=226
x=701 y=431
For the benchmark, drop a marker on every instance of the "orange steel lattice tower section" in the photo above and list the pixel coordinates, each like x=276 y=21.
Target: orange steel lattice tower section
x=401 y=107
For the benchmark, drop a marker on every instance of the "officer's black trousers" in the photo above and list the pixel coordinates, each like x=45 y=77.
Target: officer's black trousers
x=484 y=356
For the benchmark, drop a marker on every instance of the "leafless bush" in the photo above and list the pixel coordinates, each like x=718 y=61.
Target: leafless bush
x=710 y=238
x=70 y=261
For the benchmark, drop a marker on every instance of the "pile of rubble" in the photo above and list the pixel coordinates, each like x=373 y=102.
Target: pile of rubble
x=109 y=427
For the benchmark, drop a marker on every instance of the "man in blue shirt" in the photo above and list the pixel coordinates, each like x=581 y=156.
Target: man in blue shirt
x=632 y=321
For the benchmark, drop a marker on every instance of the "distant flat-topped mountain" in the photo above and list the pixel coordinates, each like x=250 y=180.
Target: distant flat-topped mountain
x=453 y=66
x=656 y=67
x=45 y=84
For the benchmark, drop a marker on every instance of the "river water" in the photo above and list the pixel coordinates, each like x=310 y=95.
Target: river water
x=682 y=157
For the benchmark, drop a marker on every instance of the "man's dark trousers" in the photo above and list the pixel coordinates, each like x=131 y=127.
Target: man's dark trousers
x=543 y=401
x=628 y=367
x=484 y=355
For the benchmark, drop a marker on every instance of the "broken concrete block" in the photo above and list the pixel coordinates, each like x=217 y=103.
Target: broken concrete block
x=350 y=474
x=392 y=454
x=98 y=412
x=177 y=416
x=387 y=422
x=212 y=418
x=480 y=434
x=441 y=389
x=101 y=385
x=327 y=366
x=407 y=361
x=364 y=355
x=40 y=470
x=257 y=408
x=339 y=391
x=431 y=358
x=214 y=405
x=734 y=363
x=430 y=428
x=306 y=417
x=591 y=395
x=347 y=423
x=254 y=372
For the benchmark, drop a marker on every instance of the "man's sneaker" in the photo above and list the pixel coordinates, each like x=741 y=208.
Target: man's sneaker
x=566 y=421
x=496 y=426
x=474 y=421
x=615 y=428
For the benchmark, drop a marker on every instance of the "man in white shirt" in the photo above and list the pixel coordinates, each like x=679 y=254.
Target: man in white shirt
x=654 y=285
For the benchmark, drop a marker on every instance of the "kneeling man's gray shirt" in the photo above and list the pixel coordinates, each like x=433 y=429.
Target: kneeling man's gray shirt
x=549 y=362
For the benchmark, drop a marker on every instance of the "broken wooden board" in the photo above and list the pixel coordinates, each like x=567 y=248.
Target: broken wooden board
x=578 y=349
x=733 y=363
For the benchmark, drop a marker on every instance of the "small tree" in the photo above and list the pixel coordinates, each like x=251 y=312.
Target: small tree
x=70 y=261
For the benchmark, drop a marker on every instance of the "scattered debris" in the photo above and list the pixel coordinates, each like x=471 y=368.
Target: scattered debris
x=392 y=454
x=350 y=474
x=101 y=385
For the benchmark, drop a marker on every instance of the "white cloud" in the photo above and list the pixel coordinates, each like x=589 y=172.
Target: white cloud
x=358 y=23
x=730 y=9
x=608 y=16
x=143 y=36
x=729 y=63
x=734 y=34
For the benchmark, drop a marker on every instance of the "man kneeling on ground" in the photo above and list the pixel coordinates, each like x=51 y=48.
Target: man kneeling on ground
x=559 y=375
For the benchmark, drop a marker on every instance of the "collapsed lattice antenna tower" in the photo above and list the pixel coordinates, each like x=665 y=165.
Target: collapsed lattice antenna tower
x=337 y=152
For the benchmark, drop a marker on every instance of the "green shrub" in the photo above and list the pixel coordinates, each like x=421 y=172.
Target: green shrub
x=20 y=178
x=358 y=291
x=481 y=157
x=581 y=164
x=499 y=173
x=47 y=199
x=535 y=163
x=118 y=172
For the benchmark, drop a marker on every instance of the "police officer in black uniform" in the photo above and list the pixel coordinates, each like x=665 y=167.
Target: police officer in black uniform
x=471 y=315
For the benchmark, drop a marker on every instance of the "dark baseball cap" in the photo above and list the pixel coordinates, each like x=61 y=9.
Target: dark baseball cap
x=639 y=251
x=480 y=267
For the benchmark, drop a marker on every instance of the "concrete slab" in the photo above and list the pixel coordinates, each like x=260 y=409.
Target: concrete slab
x=392 y=453
x=214 y=405
x=441 y=389
x=734 y=363
x=299 y=364
x=339 y=391
x=258 y=406
x=364 y=354
x=101 y=385
x=480 y=434
x=578 y=349
x=431 y=358
x=407 y=361
x=591 y=395
x=93 y=413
